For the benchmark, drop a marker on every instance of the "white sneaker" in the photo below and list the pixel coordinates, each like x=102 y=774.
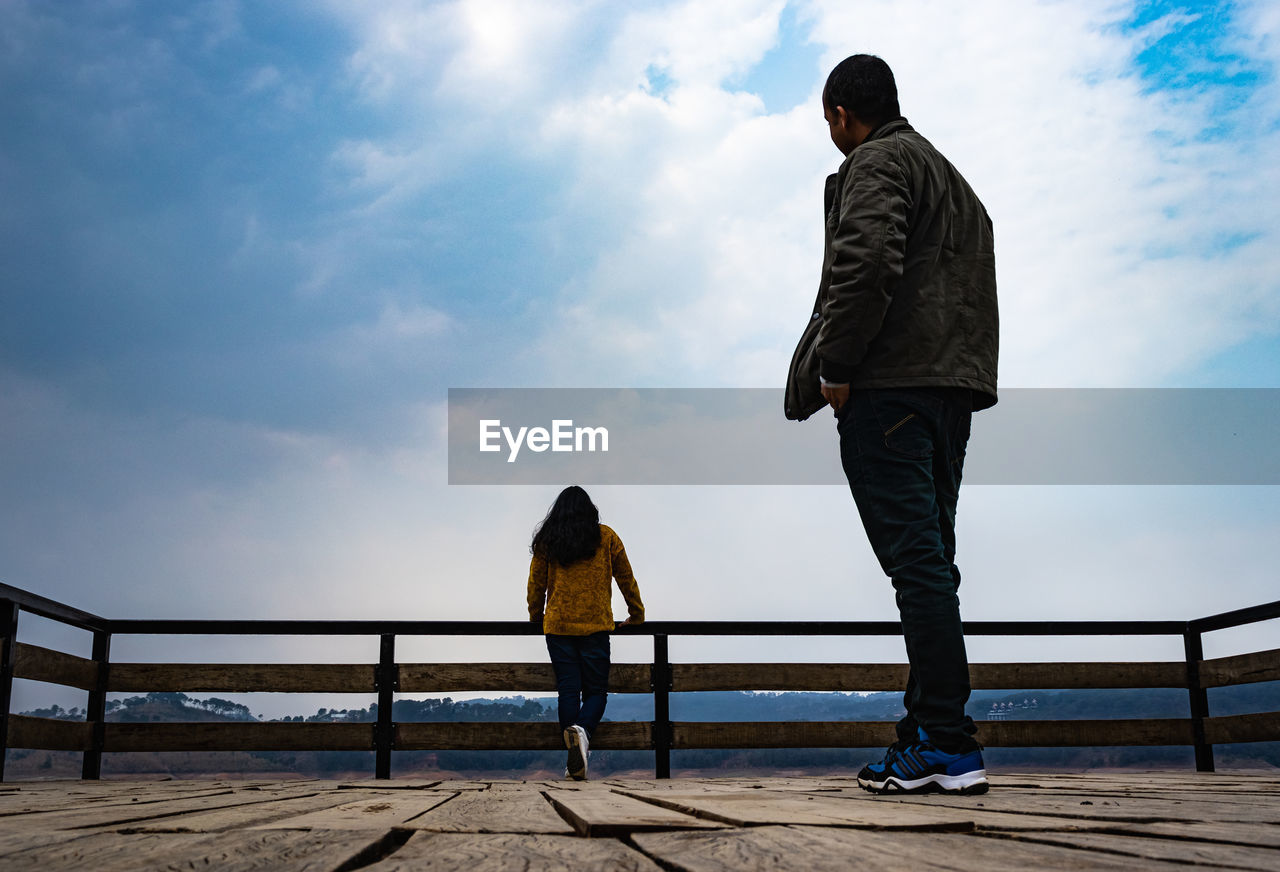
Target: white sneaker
x=575 y=739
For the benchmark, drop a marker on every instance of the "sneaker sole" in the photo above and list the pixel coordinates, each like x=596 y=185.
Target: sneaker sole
x=577 y=760
x=969 y=784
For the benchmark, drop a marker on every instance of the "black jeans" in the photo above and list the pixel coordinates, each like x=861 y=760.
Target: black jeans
x=581 y=664
x=903 y=453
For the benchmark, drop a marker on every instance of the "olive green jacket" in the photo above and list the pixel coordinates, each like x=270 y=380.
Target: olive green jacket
x=908 y=290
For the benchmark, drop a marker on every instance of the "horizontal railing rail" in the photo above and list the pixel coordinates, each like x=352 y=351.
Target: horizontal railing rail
x=52 y=609
x=649 y=628
x=99 y=675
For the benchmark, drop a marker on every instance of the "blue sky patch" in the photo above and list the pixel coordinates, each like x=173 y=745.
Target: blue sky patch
x=785 y=77
x=1195 y=52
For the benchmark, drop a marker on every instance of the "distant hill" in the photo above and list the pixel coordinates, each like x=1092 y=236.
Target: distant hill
x=723 y=706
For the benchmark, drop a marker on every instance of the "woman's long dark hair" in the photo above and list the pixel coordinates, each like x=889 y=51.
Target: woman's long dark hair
x=571 y=530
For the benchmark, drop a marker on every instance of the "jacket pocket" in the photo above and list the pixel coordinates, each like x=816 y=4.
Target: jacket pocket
x=904 y=420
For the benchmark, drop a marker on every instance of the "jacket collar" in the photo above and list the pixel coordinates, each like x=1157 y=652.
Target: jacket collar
x=888 y=128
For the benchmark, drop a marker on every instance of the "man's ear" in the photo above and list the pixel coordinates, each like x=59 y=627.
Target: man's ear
x=843 y=119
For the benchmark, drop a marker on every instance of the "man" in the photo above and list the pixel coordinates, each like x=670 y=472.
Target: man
x=902 y=345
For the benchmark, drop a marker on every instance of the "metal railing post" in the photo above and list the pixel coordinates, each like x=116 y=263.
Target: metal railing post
x=661 y=678
x=96 y=714
x=1199 y=697
x=8 y=645
x=386 y=682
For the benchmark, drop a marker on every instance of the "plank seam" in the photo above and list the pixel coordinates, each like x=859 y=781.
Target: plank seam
x=580 y=825
x=629 y=841
x=390 y=842
x=112 y=824
x=672 y=805
x=1175 y=837
x=1030 y=837
x=450 y=798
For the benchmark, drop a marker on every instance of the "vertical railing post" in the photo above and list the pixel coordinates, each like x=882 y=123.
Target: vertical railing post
x=1193 y=645
x=96 y=714
x=661 y=678
x=386 y=682
x=8 y=647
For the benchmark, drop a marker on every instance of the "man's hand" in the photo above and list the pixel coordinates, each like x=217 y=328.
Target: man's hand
x=626 y=623
x=835 y=395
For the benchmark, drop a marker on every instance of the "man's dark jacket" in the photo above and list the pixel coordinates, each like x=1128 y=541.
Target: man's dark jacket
x=908 y=290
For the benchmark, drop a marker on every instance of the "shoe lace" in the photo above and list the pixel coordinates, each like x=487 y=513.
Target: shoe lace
x=893 y=749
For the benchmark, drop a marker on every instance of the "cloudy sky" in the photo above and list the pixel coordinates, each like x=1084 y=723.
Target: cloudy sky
x=247 y=248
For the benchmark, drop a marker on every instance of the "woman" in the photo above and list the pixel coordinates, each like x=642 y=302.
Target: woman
x=575 y=558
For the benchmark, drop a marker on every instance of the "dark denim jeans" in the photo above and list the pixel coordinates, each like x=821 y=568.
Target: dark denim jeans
x=581 y=664
x=903 y=453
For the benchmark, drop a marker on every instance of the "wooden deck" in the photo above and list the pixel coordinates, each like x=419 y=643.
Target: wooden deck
x=1158 y=820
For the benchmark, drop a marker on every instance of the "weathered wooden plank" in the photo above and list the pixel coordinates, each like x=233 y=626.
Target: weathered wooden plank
x=454 y=677
x=788 y=734
x=1184 y=851
x=775 y=807
x=1091 y=733
x=47 y=734
x=236 y=736
x=485 y=736
x=121 y=814
x=1111 y=792
x=731 y=784
x=1241 y=669
x=256 y=814
x=893 y=676
x=242 y=677
x=38 y=804
x=832 y=849
x=1005 y=734
x=396 y=784
x=452 y=784
x=1263 y=727
x=1066 y=676
x=237 y=851
x=446 y=852
x=1249 y=834
x=512 y=810
x=51 y=795
x=54 y=667
x=688 y=677
x=602 y=812
x=1172 y=807
x=380 y=812
x=1066 y=804
x=1218 y=785
x=22 y=840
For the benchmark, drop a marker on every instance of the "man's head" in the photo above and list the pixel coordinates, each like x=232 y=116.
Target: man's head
x=859 y=96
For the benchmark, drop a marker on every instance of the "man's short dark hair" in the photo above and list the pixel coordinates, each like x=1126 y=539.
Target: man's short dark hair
x=863 y=85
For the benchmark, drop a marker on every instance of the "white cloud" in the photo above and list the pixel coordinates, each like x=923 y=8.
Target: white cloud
x=694 y=43
x=1111 y=206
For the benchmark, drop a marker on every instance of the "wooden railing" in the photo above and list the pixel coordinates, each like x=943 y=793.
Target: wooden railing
x=99 y=675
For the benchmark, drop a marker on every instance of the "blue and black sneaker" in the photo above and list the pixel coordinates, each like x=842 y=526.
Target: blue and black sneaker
x=919 y=767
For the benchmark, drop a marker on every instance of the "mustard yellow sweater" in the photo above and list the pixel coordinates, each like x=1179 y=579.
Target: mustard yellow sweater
x=575 y=600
